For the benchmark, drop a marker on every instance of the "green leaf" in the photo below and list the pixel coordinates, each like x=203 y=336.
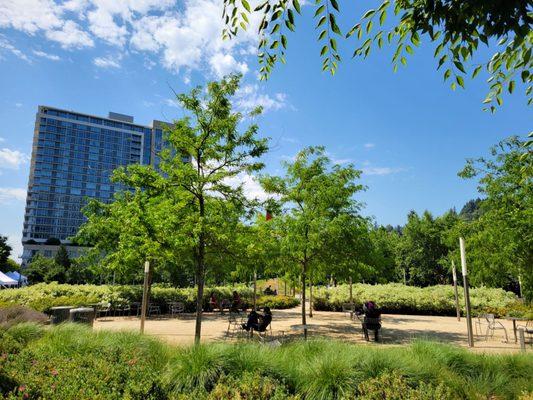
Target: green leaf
x=460 y=81
x=382 y=17
x=333 y=24
x=369 y=26
x=284 y=41
x=274 y=44
x=321 y=21
x=290 y=14
x=324 y=50
x=476 y=71
x=369 y=13
x=335 y=4
x=511 y=87
x=415 y=39
x=333 y=44
x=320 y=10
x=352 y=31
x=297 y=7
x=453 y=86
x=459 y=66
x=403 y=60
x=322 y=35
x=438 y=49
x=447 y=73
x=246 y=5
x=409 y=49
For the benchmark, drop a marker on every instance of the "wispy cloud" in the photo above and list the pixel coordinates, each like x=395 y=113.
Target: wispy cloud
x=12 y=159
x=383 y=170
x=7 y=46
x=107 y=62
x=249 y=97
x=43 y=54
x=9 y=195
x=369 y=145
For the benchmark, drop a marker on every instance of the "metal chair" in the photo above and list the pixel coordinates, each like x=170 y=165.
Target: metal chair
x=235 y=321
x=348 y=308
x=102 y=309
x=494 y=325
x=154 y=309
x=176 y=308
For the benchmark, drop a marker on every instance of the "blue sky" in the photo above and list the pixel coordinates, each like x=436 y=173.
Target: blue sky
x=407 y=131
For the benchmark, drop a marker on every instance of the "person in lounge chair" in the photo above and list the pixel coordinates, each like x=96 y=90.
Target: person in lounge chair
x=258 y=322
x=236 y=302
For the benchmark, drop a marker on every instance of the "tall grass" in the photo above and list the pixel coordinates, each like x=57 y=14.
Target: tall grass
x=72 y=362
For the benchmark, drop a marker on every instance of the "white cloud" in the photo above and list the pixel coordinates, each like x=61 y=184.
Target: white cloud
x=30 y=16
x=224 y=64
x=2 y=140
x=12 y=159
x=185 y=34
x=42 y=54
x=171 y=103
x=70 y=36
x=5 y=45
x=250 y=186
x=9 y=195
x=107 y=62
x=18 y=105
x=382 y=170
x=14 y=240
x=249 y=97
x=369 y=145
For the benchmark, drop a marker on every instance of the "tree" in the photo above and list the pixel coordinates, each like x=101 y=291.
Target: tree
x=187 y=208
x=318 y=208
x=504 y=228
x=457 y=27
x=43 y=269
x=421 y=249
x=62 y=258
x=5 y=251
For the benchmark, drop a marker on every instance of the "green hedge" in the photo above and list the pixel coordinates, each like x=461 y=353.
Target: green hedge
x=73 y=362
x=394 y=298
x=43 y=296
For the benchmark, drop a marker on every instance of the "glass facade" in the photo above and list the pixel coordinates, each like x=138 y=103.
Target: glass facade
x=73 y=157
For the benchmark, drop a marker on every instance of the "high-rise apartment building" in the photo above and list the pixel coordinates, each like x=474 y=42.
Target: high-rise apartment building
x=73 y=157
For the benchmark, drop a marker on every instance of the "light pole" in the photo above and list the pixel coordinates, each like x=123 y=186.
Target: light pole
x=467 y=293
x=454 y=272
x=144 y=304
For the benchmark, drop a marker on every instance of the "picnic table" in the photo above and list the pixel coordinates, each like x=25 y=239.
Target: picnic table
x=301 y=327
x=515 y=329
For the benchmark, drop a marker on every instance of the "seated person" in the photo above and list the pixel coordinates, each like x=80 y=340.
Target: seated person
x=258 y=322
x=268 y=290
x=213 y=303
x=236 y=303
x=372 y=319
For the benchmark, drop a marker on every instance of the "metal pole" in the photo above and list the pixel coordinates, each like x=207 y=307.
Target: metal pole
x=311 y=294
x=144 y=304
x=454 y=272
x=522 y=339
x=467 y=293
x=255 y=290
x=351 y=293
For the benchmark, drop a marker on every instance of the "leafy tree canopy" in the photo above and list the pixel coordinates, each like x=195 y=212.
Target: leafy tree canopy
x=458 y=28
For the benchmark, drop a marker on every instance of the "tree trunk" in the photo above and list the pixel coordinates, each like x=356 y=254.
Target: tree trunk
x=311 y=295
x=200 y=275
x=304 y=320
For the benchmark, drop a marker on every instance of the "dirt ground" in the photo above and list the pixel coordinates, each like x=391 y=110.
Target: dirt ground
x=396 y=329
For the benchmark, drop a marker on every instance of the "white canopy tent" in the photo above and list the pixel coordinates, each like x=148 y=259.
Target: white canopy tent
x=6 y=281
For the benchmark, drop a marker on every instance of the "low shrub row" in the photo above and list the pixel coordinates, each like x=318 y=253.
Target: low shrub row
x=43 y=296
x=394 y=298
x=74 y=362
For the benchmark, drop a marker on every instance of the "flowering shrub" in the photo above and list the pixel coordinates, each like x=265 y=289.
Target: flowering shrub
x=395 y=298
x=43 y=296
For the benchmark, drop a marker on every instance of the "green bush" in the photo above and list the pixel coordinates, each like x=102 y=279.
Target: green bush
x=72 y=362
x=394 y=298
x=43 y=296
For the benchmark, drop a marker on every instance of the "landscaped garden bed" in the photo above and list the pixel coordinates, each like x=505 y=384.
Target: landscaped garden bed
x=42 y=297
x=394 y=298
x=73 y=362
